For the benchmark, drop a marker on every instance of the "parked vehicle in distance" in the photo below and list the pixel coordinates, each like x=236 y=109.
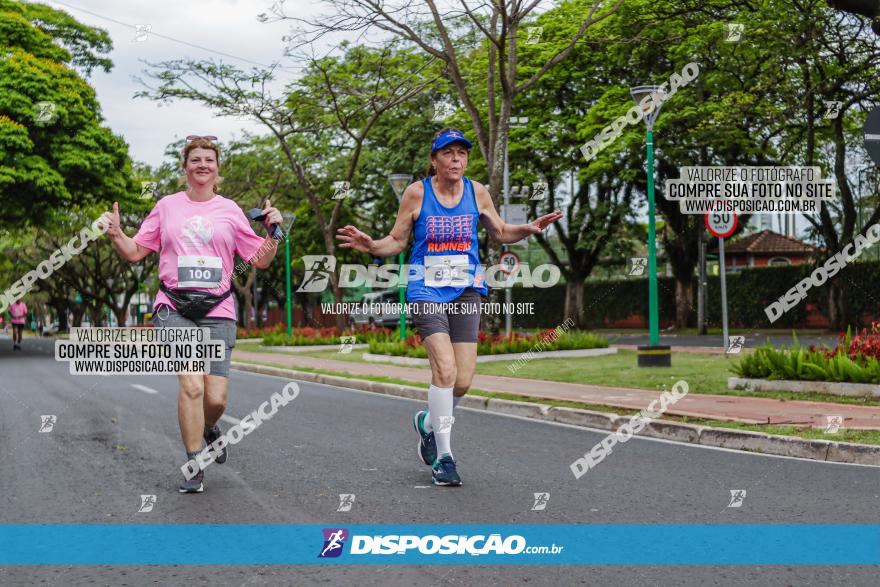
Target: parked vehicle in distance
x=379 y=309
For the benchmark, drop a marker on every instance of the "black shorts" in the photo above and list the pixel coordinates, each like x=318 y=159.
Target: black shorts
x=460 y=318
x=18 y=327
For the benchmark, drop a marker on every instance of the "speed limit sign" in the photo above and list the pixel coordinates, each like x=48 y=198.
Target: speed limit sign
x=509 y=262
x=721 y=224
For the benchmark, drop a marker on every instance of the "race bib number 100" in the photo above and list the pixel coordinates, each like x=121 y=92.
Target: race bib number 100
x=446 y=271
x=199 y=271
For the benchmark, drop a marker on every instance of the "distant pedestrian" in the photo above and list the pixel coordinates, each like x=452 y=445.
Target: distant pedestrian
x=19 y=311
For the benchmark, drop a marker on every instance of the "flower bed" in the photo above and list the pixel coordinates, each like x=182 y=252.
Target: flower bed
x=259 y=332
x=855 y=359
x=499 y=344
x=327 y=335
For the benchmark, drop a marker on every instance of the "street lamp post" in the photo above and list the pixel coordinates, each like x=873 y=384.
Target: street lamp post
x=654 y=354
x=138 y=273
x=398 y=182
x=515 y=122
x=110 y=281
x=289 y=217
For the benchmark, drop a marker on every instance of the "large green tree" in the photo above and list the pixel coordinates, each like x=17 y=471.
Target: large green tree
x=54 y=151
x=320 y=124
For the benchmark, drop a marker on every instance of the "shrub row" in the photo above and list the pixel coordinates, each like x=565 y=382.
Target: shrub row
x=749 y=291
x=853 y=360
x=497 y=345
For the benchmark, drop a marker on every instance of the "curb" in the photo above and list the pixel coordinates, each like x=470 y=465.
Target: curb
x=307 y=348
x=832 y=387
x=744 y=440
x=399 y=360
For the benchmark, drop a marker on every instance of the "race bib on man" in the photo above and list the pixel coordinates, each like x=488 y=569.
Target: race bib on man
x=446 y=271
x=199 y=271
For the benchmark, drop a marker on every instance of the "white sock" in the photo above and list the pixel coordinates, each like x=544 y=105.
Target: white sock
x=440 y=406
x=427 y=423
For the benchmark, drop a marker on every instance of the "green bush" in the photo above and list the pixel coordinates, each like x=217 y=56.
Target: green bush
x=809 y=364
x=306 y=336
x=749 y=291
x=498 y=345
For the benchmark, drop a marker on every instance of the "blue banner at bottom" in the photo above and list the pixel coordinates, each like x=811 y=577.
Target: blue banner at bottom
x=478 y=544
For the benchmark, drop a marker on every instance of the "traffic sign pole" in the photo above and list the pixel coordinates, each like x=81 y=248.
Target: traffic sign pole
x=722 y=225
x=508 y=319
x=725 y=339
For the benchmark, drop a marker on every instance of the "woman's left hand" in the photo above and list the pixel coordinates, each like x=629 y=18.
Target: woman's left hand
x=273 y=216
x=538 y=225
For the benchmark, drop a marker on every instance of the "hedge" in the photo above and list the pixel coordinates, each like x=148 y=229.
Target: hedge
x=749 y=291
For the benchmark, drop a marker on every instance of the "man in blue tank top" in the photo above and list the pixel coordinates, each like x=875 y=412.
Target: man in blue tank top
x=446 y=283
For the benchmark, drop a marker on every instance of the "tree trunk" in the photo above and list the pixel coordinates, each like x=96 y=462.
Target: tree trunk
x=337 y=297
x=62 y=317
x=246 y=294
x=574 y=302
x=684 y=301
x=838 y=308
x=309 y=312
x=246 y=308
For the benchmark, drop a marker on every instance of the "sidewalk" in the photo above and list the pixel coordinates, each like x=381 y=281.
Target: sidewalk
x=752 y=410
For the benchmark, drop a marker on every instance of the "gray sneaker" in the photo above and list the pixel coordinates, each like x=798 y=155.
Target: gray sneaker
x=212 y=434
x=193 y=485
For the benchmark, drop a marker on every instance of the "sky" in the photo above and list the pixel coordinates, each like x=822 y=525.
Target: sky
x=225 y=30
x=224 y=26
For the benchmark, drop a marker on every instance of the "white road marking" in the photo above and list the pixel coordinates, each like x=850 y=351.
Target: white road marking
x=742 y=453
x=230 y=419
x=144 y=388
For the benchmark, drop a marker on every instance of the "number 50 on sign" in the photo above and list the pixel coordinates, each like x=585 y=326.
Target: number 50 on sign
x=721 y=224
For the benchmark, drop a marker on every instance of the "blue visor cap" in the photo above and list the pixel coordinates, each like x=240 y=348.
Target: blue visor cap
x=448 y=137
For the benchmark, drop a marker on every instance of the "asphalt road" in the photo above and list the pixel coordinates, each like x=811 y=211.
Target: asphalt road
x=116 y=438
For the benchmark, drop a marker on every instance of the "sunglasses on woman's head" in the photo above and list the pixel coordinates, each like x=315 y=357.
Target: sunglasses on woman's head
x=207 y=137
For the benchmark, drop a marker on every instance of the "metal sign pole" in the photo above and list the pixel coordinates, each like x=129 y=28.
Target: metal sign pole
x=701 y=290
x=508 y=318
x=723 y=294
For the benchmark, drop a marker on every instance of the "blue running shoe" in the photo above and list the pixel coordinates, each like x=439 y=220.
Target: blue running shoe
x=427 y=445
x=444 y=472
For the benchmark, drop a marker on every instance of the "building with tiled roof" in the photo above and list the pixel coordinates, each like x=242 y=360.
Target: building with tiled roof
x=765 y=248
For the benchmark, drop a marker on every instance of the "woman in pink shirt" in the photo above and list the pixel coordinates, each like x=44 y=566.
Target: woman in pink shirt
x=197 y=234
x=18 y=311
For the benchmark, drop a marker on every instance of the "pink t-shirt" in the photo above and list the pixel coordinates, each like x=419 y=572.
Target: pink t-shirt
x=197 y=244
x=18 y=310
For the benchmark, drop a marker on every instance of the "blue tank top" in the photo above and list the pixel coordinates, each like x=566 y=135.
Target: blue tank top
x=445 y=258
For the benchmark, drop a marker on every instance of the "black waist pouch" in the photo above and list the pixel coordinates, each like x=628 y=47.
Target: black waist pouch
x=193 y=304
